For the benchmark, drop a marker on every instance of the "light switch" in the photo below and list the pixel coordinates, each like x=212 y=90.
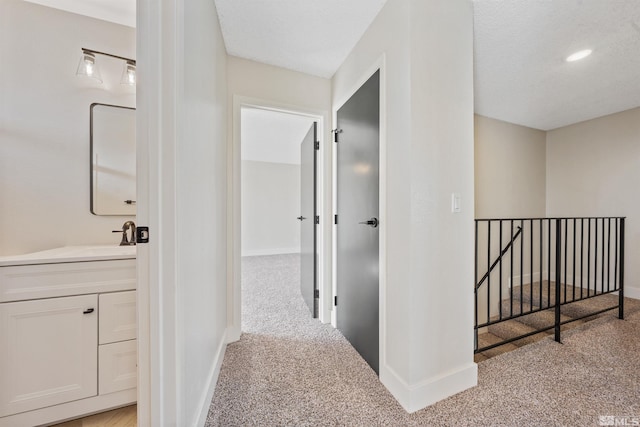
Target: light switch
x=455 y=203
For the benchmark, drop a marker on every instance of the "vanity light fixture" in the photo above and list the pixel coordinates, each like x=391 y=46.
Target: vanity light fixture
x=88 y=66
x=579 y=55
x=129 y=73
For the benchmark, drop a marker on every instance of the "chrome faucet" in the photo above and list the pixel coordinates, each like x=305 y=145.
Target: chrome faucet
x=126 y=240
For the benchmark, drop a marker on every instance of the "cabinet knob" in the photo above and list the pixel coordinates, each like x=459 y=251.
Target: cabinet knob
x=88 y=310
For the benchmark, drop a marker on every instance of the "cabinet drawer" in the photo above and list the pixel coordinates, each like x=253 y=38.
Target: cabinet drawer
x=47 y=352
x=117 y=320
x=29 y=282
x=117 y=366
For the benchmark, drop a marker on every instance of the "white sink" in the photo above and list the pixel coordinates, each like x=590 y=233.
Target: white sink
x=71 y=254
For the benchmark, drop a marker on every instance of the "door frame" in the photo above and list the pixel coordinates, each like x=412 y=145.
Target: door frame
x=379 y=64
x=234 y=209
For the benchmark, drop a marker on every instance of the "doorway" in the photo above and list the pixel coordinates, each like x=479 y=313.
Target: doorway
x=269 y=152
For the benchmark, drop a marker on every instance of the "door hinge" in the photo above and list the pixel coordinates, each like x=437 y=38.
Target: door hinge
x=316 y=293
x=335 y=300
x=335 y=219
x=142 y=235
x=317 y=145
x=317 y=219
x=335 y=134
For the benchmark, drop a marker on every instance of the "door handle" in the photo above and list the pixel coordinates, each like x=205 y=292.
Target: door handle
x=373 y=222
x=88 y=311
x=302 y=218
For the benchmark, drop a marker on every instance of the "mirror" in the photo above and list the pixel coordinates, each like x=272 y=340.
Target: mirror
x=113 y=160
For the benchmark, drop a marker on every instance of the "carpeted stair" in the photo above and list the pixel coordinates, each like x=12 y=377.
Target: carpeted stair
x=526 y=299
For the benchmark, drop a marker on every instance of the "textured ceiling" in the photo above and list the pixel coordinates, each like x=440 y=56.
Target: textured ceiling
x=520 y=48
x=269 y=136
x=311 y=36
x=119 y=11
x=520 y=71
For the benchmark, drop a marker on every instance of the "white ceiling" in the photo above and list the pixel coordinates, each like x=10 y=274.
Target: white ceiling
x=119 y=11
x=520 y=46
x=521 y=75
x=271 y=136
x=311 y=36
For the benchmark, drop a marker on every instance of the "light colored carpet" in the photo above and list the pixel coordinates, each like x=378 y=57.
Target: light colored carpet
x=289 y=369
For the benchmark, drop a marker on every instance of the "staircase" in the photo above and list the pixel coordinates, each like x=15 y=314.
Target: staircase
x=530 y=298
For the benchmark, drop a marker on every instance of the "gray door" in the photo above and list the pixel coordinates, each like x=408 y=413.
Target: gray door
x=358 y=146
x=307 y=218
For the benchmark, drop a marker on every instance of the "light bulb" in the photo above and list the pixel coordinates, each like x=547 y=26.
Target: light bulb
x=88 y=67
x=129 y=74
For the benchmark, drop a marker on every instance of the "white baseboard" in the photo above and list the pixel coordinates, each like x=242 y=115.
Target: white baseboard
x=427 y=392
x=526 y=279
x=271 y=251
x=205 y=402
x=569 y=278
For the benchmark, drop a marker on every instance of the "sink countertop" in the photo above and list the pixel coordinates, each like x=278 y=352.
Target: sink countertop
x=71 y=254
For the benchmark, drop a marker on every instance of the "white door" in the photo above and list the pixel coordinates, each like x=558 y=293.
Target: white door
x=48 y=352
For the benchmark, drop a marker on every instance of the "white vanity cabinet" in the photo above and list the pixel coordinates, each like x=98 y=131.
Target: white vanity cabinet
x=67 y=338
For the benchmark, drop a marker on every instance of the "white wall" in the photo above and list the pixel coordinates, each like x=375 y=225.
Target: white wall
x=182 y=138
x=593 y=169
x=427 y=149
x=270 y=205
x=201 y=158
x=44 y=122
x=266 y=85
x=510 y=170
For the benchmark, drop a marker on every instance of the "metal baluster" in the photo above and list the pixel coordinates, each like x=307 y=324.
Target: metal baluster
x=541 y=261
x=511 y=272
x=602 y=265
x=621 y=291
x=589 y=258
x=500 y=290
x=574 y=260
x=615 y=259
x=548 y=262
x=566 y=227
x=608 y=251
x=531 y=265
x=489 y=270
x=558 y=278
x=475 y=287
x=521 y=266
x=581 y=255
x=595 y=262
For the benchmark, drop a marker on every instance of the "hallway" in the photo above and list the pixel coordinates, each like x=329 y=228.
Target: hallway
x=289 y=369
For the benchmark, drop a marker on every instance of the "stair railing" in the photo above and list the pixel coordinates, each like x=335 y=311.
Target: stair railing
x=551 y=262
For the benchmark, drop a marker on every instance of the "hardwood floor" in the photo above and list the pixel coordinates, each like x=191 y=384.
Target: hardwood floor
x=122 y=417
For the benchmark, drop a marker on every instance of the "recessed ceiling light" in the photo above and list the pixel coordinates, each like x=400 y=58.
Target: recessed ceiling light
x=579 y=55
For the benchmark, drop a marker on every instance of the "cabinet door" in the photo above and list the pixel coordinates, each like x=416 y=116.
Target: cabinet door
x=48 y=352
